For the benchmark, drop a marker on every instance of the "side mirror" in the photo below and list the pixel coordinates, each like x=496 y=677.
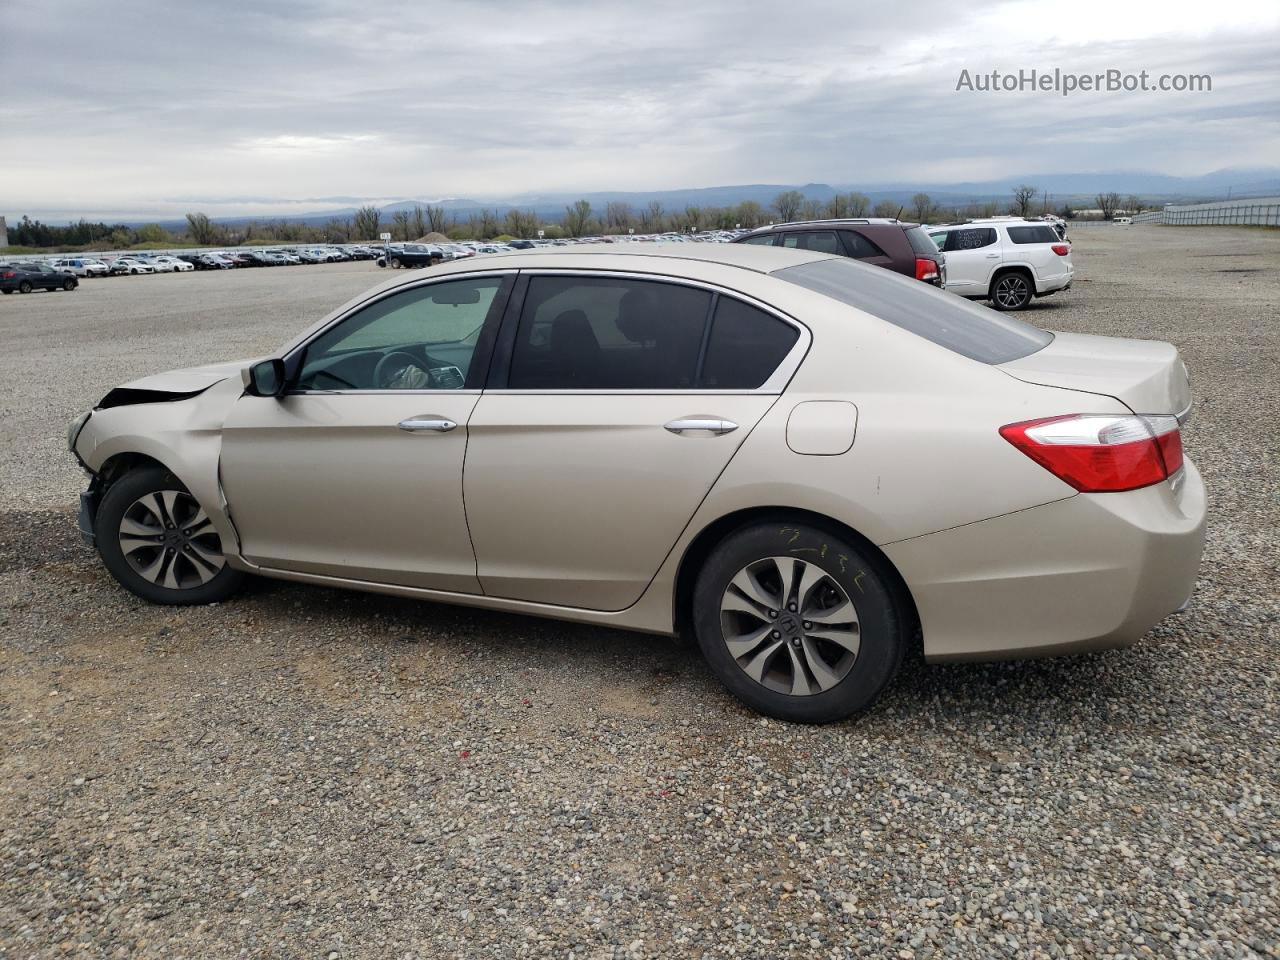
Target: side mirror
x=266 y=378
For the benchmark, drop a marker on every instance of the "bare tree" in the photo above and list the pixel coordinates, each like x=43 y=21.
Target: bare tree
x=749 y=214
x=485 y=224
x=651 y=217
x=1108 y=203
x=617 y=215
x=438 y=218
x=419 y=222
x=576 y=217
x=368 y=223
x=202 y=229
x=788 y=204
x=922 y=204
x=859 y=204
x=811 y=210
x=521 y=223
x=400 y=224
x=1023 y=197
x=887 y=208
x=337 y=231
x=1133 y=205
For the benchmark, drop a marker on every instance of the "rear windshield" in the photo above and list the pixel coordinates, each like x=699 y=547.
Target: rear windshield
x=1033 y=234
x=921 y=242
x=978 y=333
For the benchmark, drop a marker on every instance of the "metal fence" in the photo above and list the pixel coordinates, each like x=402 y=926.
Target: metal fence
x=1256 y=211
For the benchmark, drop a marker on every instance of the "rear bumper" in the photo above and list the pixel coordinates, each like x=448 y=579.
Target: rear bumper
x=1086 y=573
x=1054 y=284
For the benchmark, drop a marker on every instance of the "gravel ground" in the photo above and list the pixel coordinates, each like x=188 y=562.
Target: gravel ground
x=309 y=773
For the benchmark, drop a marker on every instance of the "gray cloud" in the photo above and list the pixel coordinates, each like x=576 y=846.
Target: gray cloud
x=140 y=108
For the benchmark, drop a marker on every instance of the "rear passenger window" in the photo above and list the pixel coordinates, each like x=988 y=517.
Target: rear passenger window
x=603 y=333
x=820 y=241
x=1036 y=234
x=745 y=347
x=764 y=240
x=970 y=239
x=860 y=247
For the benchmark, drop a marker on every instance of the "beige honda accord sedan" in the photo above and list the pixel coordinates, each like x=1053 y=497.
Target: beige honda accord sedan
x=810 y=464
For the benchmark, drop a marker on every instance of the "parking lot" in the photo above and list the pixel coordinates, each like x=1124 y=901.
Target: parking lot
x=308 y=773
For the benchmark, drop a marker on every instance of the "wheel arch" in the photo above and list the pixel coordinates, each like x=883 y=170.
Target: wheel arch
x=1005 y=268
x=714 y=533
x=117 y=465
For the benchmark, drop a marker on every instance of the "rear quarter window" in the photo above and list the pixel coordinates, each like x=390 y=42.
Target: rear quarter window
x=949 y=321
x=922 y=244
x=1035 y=234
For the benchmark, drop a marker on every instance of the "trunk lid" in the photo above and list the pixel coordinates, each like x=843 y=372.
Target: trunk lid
x=1147 y=376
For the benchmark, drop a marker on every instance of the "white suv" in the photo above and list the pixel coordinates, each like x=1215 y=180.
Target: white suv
x=1007 y=260
x=80 y=266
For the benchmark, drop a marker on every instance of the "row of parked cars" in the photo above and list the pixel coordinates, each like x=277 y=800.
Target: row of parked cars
x=1007 y=260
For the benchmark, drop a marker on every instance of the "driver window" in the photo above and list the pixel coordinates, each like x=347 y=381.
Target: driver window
x=419 y=339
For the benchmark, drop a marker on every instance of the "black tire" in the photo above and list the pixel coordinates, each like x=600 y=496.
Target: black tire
x=6 y=292
x=24 y=286
x=120 y=498
x=395 y=263
x=68 y=284
x=1012 y=290
x=881 y=622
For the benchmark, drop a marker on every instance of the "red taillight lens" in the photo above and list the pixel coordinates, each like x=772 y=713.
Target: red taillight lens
x=926 y=270
x=8 y=276
x=1101 y=453
x=1061 y=249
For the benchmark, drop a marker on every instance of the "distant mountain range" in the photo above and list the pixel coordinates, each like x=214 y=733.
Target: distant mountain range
x=1076 y=189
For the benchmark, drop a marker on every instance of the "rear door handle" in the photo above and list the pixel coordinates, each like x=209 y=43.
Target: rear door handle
x=427 y=421
x=993 y=256
x=713 y=425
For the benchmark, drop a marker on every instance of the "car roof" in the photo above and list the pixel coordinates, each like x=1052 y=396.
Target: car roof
x=742 y=256
x=839 y=221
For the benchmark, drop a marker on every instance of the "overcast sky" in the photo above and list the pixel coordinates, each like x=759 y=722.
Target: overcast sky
x=138 y=109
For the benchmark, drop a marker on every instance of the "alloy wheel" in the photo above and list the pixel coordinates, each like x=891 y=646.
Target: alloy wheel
x=1011 y=291
x=790 y=626
x=169 y=540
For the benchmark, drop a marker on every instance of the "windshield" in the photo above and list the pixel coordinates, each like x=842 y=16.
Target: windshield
x=978 y=333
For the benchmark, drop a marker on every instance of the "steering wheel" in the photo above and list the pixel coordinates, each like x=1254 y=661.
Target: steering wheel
x=384 y=366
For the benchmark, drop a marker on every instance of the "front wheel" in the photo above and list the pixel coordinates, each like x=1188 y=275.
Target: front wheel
x=159 y=543
x=24 y=286
x=395 y=263
x=68 y=285
x=1011 y=291
x=797 y=623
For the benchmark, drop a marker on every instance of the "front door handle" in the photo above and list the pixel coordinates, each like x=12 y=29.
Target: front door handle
x=427 y=421
x=713 y=425
x=993 y=256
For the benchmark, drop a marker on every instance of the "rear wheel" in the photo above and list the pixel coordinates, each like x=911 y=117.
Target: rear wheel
x=1011 y=291
x=395 y=263
x=158 y=542
x=797 y=623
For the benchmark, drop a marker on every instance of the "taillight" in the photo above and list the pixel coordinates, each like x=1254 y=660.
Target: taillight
x=1061 y=249
x=926 y=270
x=8 y=276
x=1102 y=453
